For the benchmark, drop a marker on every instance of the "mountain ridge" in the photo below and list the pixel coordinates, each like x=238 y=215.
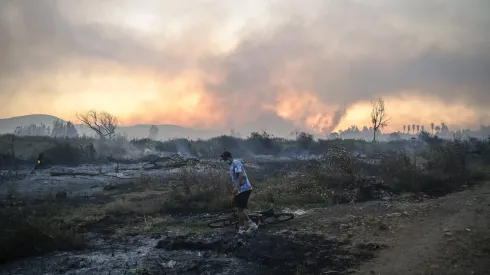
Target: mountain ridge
x=167 y=131
x=272 y=123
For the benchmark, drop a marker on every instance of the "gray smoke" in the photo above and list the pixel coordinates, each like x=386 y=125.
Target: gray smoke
x=343 y=51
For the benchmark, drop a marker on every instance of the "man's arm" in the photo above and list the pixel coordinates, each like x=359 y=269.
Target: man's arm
x=239 y=180
x=239 y=171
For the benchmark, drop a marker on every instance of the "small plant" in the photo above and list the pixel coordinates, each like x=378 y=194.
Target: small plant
x=195 y=192
x=450 y=158
x=339 y=160
x=400 y=172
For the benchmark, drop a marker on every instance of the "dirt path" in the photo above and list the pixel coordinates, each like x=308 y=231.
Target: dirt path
x=451 y=236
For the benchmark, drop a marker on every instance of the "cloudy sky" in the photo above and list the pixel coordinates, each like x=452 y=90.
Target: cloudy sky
x=313 y=64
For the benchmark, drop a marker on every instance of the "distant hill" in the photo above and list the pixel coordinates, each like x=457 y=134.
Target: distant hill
x=8 y=125
x=270 y=122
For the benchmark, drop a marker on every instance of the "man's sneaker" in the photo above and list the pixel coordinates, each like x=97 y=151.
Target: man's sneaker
x=252 y=227
x=241 y=231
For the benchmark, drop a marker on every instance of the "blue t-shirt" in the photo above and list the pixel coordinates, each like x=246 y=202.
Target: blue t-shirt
x=235 y=168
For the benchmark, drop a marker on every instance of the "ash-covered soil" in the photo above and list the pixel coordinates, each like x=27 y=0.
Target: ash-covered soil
x=284 y=252
x=90 y=179
x=135 y=220
x=408 y=235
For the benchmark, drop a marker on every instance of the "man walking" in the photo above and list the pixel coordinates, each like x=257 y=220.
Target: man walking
x=241 y=193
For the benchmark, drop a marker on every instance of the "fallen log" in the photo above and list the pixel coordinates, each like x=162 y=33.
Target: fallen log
x=60 y=174
x=155 y=166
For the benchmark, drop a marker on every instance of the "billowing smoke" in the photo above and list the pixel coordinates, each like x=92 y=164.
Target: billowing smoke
x=336 y=118
x=330 y=55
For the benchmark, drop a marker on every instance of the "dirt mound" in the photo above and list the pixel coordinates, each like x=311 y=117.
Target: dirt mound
x=281 y=254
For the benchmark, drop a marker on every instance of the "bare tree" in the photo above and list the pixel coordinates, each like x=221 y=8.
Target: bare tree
x=378 y=116
x=102 y=123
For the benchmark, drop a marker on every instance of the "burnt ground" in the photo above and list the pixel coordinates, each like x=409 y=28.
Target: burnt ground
x=409 y=235
x=284 y=253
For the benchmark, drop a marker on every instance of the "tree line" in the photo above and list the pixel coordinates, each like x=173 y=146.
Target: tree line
x=105 y=124
x=442 y=129
x=58 y=129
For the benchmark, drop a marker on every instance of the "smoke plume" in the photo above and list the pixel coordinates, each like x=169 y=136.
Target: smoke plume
x=188 y=63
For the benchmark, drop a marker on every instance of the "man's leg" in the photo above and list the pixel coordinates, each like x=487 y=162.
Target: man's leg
x=251 y=226
x=246 y=218
x=241 y=216
x=246 y=212
x=238 y=201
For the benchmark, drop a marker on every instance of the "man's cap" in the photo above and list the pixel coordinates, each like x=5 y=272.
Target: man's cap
x=225 y=155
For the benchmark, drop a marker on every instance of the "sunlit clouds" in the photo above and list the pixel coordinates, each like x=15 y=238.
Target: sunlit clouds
x=221 y=64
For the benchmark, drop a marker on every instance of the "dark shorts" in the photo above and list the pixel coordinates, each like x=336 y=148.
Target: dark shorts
x=241 y=200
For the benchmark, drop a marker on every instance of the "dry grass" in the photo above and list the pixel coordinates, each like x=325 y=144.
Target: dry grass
x=28 y=235
x=125 y=207
x=194 y=192
x=290 y=191
x=145 y=206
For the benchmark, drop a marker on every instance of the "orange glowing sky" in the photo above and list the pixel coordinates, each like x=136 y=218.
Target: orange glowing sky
x=221 y=64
